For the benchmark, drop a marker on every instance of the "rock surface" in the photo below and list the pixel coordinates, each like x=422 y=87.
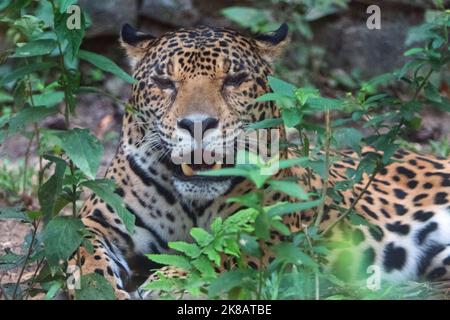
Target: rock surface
x=171 y=12
x=108 y=16
x=350 y=44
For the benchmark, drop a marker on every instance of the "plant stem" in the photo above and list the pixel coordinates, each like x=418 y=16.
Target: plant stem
x=25 y=167
x=327 y=168
x=27 y=257
x=27 y=153
x=74 y=207
x=260 y=280
x=64 y=71
x=38 y=145
x=352 y=207
x=33 y=279
x=424 y=82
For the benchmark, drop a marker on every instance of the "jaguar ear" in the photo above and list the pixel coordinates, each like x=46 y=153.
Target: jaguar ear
x=134 y=42
x=271 y=44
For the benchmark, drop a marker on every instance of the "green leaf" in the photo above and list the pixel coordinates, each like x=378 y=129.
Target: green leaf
x=303 y=94
x=104 y=188
x=213 y=255
x=372 y=84
x=271 y=96
x=93 y=286
x=47 y=99
x=410 y=66
x=420 y=33
x=247 y=17
x=163 y=283
x=375 y=98
x=64 y=4
x=70 y=81
x=5 y=97
x=231 y=247
x=413 y=51
x=293 y=254
x=53 y=289
x=291 y=188
x=229 y=280
x=250 y=245
x=83 y=149
x=266 y=123
x=348 y=137
x=35 y=48
x=4 y=4
x=13 y=213
x=281 y=87
x=34 y=214
x=280 y=227
x=170 y=260
x=291 y=117
x=105 y=64
x=74 y=36
x=293 y=207
x=190 y=249
x=293 y=162
x=216 y=226
x=205 y=267
x=21 y=72
x=51 y=189
x=202 y=236
x=432 y=93
x=262 y=226
x=28 y=25
x=358 y=220
x=61 y=237
x=226 y=172
x=250 y=200
x=11 y=261
x=28 y=115
x=324 y=104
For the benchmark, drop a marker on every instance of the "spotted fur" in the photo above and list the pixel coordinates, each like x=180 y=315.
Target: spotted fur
x=213 y=76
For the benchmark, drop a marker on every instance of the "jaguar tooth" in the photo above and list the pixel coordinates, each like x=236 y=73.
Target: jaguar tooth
x=217 y=166
x=187 y=170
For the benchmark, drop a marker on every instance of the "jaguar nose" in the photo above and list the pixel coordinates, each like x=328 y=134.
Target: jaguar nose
x=198 y=126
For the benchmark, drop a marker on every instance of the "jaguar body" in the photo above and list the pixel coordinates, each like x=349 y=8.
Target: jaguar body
x=195 y=90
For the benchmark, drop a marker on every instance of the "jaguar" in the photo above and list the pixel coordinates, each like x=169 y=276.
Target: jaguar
x=195 y=90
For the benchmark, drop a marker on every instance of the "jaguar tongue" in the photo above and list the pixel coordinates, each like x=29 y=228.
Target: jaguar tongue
x=190 y=170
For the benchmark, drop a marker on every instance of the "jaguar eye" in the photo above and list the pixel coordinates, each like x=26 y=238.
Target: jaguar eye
x=164 y=83
x=235 y=80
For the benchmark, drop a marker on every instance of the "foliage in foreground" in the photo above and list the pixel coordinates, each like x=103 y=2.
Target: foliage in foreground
x=46 y=80
x=298 y=270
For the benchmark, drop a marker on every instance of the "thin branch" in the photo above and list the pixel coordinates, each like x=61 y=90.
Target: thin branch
x=327 y=168
x=352 y=207
x=27 y=257
x=25 y=167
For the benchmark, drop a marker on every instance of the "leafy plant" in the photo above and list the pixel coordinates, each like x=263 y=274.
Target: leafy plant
x=299 y=269
x=44 y=82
